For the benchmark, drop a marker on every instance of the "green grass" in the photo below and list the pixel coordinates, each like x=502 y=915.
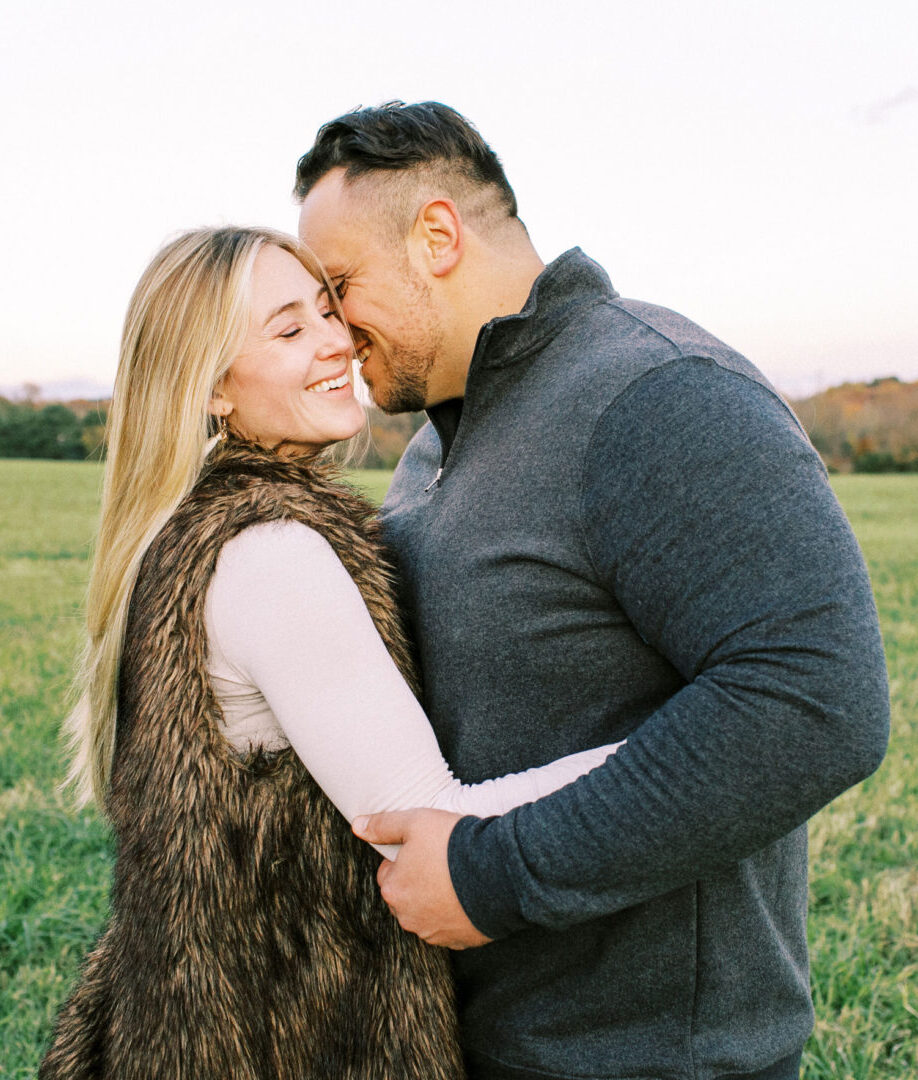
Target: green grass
x=372 y=482
x=864 y=847
x=56 y=862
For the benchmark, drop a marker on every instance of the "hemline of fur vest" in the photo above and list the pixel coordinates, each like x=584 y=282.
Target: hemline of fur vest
x=247 y=938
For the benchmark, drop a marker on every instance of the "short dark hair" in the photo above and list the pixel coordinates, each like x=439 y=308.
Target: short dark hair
x=394 y=137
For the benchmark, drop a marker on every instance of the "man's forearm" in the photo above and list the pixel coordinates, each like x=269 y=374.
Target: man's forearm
x=662 y=813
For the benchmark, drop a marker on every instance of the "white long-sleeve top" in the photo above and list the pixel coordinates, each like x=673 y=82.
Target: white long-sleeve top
x=295 y=659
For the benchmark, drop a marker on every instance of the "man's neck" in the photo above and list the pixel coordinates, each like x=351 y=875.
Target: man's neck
x=496 y=282
x=511 y=282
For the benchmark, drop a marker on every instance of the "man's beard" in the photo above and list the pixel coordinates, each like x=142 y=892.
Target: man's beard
x=403 y=387
x=407 y=367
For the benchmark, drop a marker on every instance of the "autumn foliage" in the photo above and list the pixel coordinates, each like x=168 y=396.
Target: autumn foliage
x=864 y=427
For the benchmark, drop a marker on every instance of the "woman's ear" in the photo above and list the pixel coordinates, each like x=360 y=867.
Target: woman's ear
x=219 y=405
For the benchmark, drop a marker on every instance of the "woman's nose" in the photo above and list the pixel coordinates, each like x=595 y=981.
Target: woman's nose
x=336 y=340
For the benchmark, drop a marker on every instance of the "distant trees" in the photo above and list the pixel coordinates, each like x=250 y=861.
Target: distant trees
x=864 y=427
x=389 y=435
x=856 y=427
x=76 y=430
x=31 y=430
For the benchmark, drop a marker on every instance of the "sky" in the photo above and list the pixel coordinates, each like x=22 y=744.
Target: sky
x=753 y=165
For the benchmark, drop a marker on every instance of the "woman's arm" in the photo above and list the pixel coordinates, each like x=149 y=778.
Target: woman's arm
x=285 y=617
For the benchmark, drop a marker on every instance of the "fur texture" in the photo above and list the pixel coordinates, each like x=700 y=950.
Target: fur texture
x=247 y=938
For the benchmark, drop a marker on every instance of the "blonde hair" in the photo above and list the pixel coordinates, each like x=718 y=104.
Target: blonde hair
x=184 y=327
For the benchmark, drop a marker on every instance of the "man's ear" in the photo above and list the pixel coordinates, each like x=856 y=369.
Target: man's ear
x=438 y=235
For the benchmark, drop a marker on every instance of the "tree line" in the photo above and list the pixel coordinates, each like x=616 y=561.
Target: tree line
x=75 y=431
x=864 y=427
x=856 y=427
x=64 y=432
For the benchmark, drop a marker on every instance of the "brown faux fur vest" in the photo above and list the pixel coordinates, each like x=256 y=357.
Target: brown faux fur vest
x=247 y=938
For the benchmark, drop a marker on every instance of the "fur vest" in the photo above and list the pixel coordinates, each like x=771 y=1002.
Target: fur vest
x=247 y=939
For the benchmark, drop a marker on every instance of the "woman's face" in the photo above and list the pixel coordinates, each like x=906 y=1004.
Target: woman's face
x=291 y=382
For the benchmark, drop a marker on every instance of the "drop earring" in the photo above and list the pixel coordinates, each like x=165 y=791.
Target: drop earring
x=215 y=440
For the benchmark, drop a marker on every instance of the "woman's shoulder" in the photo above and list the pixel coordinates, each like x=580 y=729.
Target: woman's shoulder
x=275 y=538
x=266 y=550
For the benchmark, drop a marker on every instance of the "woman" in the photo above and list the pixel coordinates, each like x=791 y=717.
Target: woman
x=248 y=691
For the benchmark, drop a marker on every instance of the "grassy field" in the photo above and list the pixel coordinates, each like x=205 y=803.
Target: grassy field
x=55 y=863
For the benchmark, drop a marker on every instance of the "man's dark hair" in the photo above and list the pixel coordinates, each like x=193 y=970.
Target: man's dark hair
x=397 y=137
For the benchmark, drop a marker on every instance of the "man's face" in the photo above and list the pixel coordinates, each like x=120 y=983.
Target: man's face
x=386 y=302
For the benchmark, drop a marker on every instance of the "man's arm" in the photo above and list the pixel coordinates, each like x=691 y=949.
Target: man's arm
x=710 y=520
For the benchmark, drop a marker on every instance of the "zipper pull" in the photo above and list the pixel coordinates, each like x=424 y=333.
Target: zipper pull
x=435 y=482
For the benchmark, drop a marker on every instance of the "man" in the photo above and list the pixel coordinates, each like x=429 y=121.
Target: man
x=613 y=527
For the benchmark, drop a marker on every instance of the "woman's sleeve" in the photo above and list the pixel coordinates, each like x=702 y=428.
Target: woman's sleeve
x=288 y=617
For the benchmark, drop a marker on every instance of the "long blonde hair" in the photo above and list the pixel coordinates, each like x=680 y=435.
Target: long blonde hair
x=184 y=327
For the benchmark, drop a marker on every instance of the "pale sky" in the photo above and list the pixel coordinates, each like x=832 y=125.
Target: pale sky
x=752 y=165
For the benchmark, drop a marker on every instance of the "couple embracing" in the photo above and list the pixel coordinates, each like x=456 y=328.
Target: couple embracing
x=610 y=567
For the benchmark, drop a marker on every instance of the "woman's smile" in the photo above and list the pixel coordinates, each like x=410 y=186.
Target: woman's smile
x=326 y=385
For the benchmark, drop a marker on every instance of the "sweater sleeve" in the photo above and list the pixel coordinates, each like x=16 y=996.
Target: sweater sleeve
x=288 y=620
x=710 y=520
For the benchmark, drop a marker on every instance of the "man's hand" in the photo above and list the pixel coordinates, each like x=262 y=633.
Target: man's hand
x=417 y=885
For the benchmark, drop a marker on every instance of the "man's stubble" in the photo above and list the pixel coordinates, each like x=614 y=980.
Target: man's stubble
x=410 y=359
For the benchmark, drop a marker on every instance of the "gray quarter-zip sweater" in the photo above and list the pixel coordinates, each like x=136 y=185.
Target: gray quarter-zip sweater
x=632 y=537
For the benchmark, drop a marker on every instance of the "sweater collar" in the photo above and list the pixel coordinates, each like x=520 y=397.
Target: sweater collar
x=565 y=288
